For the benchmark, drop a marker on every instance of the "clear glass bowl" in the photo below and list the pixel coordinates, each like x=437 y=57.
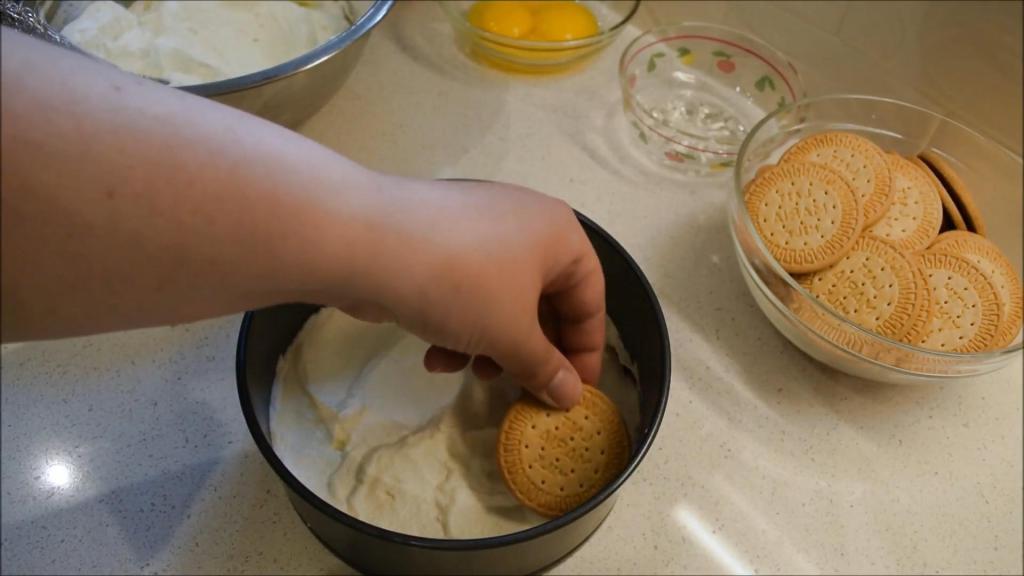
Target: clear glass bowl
x=533 y=56
x=694 y=91
x=991 y=172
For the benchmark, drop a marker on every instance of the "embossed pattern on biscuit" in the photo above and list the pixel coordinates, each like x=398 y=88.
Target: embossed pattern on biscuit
x=965 y=309
x=554 y=460
x=806 y=214
x=987 y=256
x=915 y=216
x=838 y=333
x=874 y=285
x=857 y=159
x=924 y=312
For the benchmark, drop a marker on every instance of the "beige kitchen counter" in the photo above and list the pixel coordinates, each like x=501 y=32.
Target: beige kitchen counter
x=128 y=453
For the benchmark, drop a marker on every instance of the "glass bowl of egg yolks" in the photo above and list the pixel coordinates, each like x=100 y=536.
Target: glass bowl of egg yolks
x=536 y=36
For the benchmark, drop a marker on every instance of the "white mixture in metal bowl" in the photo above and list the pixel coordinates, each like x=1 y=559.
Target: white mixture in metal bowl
x=359 y=421
x=193 y=42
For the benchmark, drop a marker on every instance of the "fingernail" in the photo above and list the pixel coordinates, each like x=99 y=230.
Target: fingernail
x=564 y=390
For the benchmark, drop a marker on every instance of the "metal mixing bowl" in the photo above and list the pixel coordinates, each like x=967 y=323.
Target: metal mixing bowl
x=290 y=92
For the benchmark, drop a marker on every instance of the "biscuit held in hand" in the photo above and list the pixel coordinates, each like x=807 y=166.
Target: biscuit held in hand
x=554 y=461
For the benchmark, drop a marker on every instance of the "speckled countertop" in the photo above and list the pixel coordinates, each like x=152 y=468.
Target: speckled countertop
x=127 y=452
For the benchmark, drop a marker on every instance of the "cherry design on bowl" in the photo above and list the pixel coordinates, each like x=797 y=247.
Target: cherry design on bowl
x=677 y=156
x=685 y=56
x=724 y=62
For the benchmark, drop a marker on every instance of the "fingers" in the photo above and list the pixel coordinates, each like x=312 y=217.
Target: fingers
x=534 y=362
x=438 y=359
x=549 y=321
x=485 y=369
x=579 y=307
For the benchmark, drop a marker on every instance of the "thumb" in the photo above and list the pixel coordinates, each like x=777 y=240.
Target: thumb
x=537 y=365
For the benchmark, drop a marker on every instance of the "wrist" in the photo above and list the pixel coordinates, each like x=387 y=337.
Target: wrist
x=356 y=253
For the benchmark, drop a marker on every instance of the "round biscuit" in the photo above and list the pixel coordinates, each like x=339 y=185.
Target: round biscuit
x=858 y=159
x=951 y=235
x=947 y=202
x=958 y=191
x=554 y=460
x=991 y=260
x=915 y=216
x=807 y=215
x=965 y=309
x=873 y=286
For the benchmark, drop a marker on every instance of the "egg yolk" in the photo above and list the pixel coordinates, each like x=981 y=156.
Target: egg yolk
x=558 y=21
x=549 y=21
x=504 y=18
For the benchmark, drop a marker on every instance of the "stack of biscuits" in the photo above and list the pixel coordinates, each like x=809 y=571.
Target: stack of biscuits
x=895 y=245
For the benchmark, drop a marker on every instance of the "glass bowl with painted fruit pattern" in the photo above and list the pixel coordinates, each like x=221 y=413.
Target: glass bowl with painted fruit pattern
x=692 y=92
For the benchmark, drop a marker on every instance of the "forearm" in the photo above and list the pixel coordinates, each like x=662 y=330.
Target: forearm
x=127 y=204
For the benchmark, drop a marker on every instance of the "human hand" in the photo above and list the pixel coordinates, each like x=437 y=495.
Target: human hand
x=476 y=268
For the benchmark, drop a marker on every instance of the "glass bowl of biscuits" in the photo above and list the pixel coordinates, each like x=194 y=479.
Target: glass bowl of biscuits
x=882 y=239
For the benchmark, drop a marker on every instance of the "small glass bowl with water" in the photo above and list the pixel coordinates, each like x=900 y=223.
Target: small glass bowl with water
x=692 y=92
